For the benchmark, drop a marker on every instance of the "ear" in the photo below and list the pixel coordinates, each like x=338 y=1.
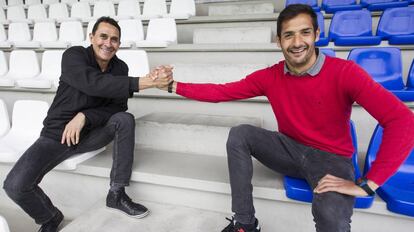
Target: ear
x=90 y=37
x=317 y=34
x=278 y=41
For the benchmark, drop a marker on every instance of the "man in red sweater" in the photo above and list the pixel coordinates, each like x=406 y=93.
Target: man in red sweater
x=311 y=96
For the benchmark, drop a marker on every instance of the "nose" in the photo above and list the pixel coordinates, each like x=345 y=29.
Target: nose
x=297 y=41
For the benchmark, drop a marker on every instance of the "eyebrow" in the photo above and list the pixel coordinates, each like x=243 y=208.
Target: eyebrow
x=104 y=34
x=291 y=32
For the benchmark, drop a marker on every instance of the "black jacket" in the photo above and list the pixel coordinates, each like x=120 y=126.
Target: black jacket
x=83 y=87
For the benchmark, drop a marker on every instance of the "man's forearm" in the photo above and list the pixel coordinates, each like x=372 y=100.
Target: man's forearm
x=145 y=82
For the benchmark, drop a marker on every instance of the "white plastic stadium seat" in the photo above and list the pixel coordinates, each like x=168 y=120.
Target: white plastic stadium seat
x=85 y=43
x=4 y=119
x=51 y=70
x=4 y=227
x=128 y=9
x=17 y=58
x=72 y=162
x=45 y=32
x=36 y=12
x=14 y=2
x=58 y=12
x=27 y=118
x=3 y=64
x=32 y=2
x=19 y=35
x=132 y=32
x=70 y=33
x=3 y=19
x=16 y=13
x=160 y=33
x=153 y=9
x=81 y=10
x=103 y=8
x=132 y=58
x=181 y=9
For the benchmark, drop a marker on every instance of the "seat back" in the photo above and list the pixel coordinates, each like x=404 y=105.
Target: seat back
x=367 y=2
x=383 y=64
x=51 y=64
x=396 y=21
x=80 y=10
x=405 y=169
x=45 y=31
x=50 y=2
x=163 y=29
x=36 y=12
x=28 y=58
x=313 y=3
x=132 y=58
x=4 y=227
x=58 y=11
x=28 y=116
x=32 y=2
x=103 y=8
x=328 y=51
x=351 y=23
x=19 y=32
x=68 y=2
x=183 y=7
x=16 y=12
x=132 y=30
x=326 y=3
x=4 y=119
x=321 y=24
x=14 y=2
x=71 y=31
x=129 y=8
x=2 y=15
x=154 y=7
x=3 y=36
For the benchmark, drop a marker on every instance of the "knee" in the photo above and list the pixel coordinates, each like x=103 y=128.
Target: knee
x=13 y=186
x=238 y=135
x=124 y=119
x=332 y=212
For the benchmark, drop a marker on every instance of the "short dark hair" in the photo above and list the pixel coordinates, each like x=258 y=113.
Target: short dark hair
x=294 y=10
x=106 y=19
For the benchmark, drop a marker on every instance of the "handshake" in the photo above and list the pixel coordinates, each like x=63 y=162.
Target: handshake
x=161 y=77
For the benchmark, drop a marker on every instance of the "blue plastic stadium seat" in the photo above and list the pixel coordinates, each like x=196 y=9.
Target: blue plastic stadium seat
x=312 y=3
x=407 y=94
x=379 y=5
x=328 y=52
x=397 y=25
x=382 y=63
x=352 y=28
x=398 y=191
x=299 y=189
x=332 y=6
x=323 y=40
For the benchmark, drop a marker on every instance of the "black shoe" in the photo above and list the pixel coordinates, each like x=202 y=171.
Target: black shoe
x=235 y=226
x=53 y=224
x=119 y=200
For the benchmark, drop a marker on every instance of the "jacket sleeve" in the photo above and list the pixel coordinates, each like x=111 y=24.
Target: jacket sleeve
x=396 y=119
x=78 y=73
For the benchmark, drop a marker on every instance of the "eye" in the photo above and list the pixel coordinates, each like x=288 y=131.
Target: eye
x=103 y=36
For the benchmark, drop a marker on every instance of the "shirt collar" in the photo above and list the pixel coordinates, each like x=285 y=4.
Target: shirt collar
x=312 y=71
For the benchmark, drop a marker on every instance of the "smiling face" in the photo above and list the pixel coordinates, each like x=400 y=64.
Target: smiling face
x=105 y=43
x=297 y=41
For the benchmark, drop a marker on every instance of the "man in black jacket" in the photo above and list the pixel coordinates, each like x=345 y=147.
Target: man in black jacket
x=87 y=113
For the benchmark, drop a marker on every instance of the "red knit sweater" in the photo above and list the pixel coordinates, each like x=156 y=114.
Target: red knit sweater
x=315 y=111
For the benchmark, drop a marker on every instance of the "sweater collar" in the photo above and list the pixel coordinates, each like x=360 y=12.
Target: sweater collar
x=312 y=71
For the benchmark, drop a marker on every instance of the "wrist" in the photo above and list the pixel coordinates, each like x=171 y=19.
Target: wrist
x=368 y=186
x=146 y=82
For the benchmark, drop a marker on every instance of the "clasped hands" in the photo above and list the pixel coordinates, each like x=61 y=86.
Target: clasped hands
x=161 y=76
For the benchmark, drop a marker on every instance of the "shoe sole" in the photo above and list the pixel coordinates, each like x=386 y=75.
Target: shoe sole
x=132 y=216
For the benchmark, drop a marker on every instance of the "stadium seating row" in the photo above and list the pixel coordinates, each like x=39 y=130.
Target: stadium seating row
x=160 y=33
x=332 y=6
x=25 y=130
x=384 y=64
x=32 y=77
x=354 y=28
x=179 y=9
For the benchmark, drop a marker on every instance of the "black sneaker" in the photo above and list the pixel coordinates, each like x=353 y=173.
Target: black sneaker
x=53 y=224
x=120 y=200
x=235 y=226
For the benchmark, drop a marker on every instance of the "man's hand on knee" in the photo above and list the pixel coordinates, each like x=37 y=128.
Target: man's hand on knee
x=330 y=183
x=71 y=134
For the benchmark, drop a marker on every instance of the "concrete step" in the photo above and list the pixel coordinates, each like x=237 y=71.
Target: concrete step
x=232 y=35
x=187 y=133
x=241 y=8
x=162 y=218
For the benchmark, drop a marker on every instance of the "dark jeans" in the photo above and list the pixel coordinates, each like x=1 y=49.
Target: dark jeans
x=331 y=211
x=22 y=183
